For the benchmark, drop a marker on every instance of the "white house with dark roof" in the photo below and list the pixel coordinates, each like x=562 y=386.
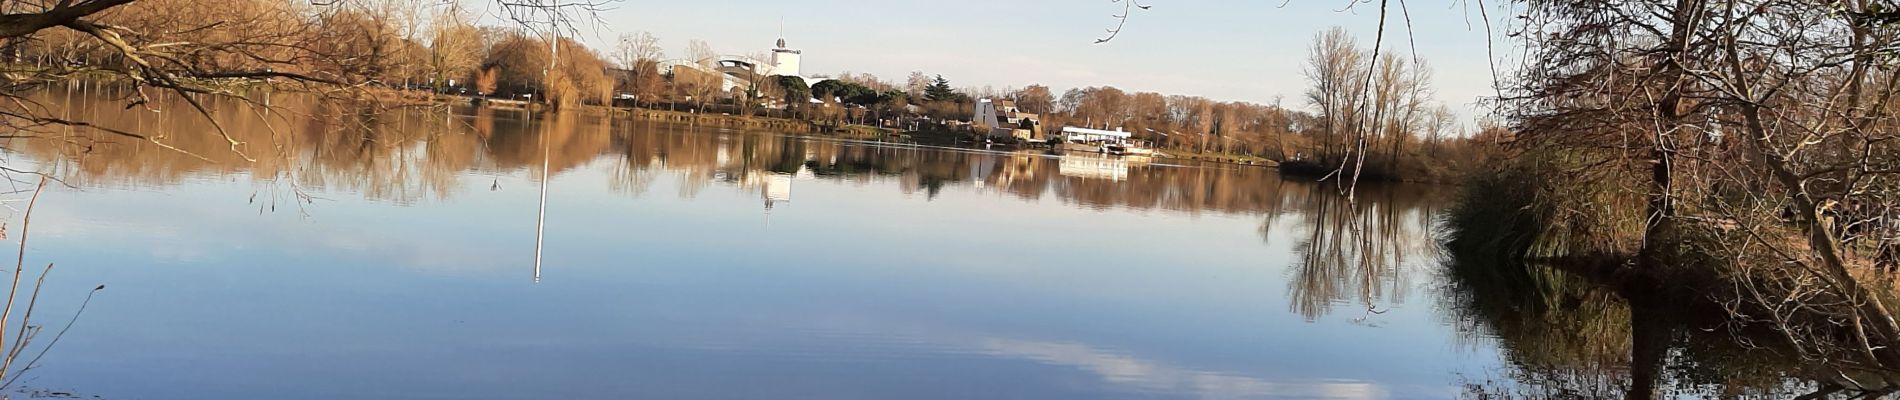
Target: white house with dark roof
x=1003 y=120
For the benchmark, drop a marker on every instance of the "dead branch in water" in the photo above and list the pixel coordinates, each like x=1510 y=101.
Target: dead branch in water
x=27 y=331
x=18 y=267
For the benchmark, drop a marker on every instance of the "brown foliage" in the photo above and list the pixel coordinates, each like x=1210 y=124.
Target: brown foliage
x=582 y=77
x=1757 y=133
x=455 y=50
x=363 y=43
x=646 y=83
x=520 y=62
x=487 y=79
x=696 y=84
x=1034 y=99
x=523 y=68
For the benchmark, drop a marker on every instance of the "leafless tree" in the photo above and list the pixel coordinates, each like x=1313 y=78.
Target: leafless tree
x=915 y=85
x=634 y=48
x=1758 y=135
x=1333 y=68
x=639 y=55
x=760 y=88
x=702 y=80
x=1439 y=121
x=196 y=58
x=456 y=47
x=1036 y=99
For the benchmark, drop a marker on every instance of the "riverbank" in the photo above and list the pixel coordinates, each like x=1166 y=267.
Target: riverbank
x=721 y=120
x=1230 y=158
x=1510 y=222
x=718 y=120
x=934 y=136
x=1314 y=170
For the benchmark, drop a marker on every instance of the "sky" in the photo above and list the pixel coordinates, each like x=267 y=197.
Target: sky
x=1230 y=50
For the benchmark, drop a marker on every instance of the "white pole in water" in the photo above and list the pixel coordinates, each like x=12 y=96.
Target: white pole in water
x=541 y=217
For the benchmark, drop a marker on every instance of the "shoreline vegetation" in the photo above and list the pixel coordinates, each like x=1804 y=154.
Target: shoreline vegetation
x=933 y=135
x=1758 y=189
x=940 y=136
x=1372 y=111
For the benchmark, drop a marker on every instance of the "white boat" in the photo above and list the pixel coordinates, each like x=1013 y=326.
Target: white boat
x=1127 y=149
x=1082 y=147
x=1115 y=142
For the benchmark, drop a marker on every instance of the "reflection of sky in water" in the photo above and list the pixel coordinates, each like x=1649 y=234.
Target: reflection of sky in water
x=850 y=290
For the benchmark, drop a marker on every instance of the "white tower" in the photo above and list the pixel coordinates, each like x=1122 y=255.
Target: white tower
x=785 y=60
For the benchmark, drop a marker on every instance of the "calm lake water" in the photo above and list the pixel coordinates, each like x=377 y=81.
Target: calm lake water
x=391 y=254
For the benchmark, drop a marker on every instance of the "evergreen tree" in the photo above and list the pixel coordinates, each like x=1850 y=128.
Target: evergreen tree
x=939 y=90
x=797 y=94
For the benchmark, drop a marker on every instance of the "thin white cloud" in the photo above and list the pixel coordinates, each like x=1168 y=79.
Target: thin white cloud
x=1134 y=372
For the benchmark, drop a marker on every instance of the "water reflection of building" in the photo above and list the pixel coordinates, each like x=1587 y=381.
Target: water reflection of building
x=1086 y=167
x=774 y=187
x=778 y=189
x=1018 y=167
x=982 y=167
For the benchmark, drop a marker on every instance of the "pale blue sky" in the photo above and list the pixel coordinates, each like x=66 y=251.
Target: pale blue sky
x=1222 y=49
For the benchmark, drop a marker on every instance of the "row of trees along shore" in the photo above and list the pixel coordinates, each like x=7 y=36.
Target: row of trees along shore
x=1397 y=114
x=385 y=43
x=1406 y=134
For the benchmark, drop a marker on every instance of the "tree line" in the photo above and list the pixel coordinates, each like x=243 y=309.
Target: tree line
x=1372 y=113
x=1361 y=113
x=1376 y=114
x=389 y=43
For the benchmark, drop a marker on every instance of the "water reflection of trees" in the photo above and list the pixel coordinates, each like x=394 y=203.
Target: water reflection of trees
x=1578 y=331
x=645 y=151
x=1360 y=252
x=394 y=154
x=411 y=154
x=1564 y=332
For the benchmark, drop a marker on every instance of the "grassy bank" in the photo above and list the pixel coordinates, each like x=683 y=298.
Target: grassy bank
x=753 y=123
x=718 y=120
x=864 y=131
x=1231 y=158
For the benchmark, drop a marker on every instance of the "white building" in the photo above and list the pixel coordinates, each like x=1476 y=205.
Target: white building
x=1003 y=119
x=785 y=60
x=735 y=71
